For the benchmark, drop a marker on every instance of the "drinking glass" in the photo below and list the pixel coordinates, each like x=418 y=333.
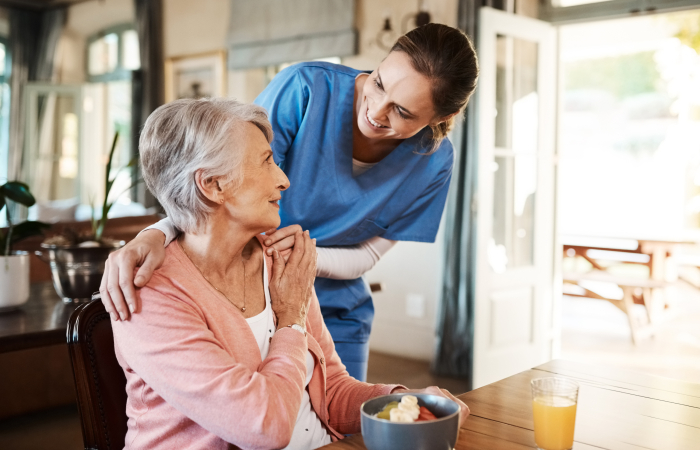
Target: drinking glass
x=554 y=403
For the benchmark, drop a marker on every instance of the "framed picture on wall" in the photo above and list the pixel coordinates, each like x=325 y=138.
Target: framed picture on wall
x=195 y=76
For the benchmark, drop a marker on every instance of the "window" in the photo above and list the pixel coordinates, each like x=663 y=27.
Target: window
x=565 y=3
x=112 y=54
x=4 y=107
x=630 y=159
x=570 y=11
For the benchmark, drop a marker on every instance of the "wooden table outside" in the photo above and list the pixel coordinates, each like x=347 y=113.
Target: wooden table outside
x=617 y=410
x=655 y=253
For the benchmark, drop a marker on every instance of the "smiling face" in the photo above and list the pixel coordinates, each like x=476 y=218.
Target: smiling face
x=396 y=100
x=255 y=201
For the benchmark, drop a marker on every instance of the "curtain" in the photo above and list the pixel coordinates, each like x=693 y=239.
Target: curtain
x=268 y=32
x=148 y=89
x=34 y=36
x=455 y=335
x=149 y=26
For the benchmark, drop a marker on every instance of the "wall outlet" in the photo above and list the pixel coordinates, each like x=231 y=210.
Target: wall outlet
x=415 y=305
x=376 y=287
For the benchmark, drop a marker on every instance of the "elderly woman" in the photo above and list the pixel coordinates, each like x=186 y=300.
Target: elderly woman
x=230 y=346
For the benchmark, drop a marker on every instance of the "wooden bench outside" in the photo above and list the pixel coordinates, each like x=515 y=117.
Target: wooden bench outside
x=634 y=291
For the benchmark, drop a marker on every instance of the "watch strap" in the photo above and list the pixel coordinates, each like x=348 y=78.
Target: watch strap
x=298 y=328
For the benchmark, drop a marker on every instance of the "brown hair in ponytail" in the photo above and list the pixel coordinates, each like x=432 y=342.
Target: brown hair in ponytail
x=446 y=56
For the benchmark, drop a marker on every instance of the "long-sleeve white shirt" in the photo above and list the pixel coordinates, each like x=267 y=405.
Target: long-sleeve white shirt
x=338 y=263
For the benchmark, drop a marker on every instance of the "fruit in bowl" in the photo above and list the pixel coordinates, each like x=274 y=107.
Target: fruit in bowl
x=412 y=428
x=407 y=410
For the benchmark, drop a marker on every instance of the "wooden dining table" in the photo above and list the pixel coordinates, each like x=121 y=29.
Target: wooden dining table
x=617 y=410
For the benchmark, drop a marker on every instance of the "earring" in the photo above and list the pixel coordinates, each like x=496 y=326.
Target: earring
x=221 y=201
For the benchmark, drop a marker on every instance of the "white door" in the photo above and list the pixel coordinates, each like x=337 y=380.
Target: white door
x=516 y=196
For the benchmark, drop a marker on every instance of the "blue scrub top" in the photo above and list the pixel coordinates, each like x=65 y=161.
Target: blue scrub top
x=401 y=198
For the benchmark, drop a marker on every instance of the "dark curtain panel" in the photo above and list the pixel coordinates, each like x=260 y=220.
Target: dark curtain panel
x=52 y=23
x=33 y=39
x=454 y=353
x=148 y=82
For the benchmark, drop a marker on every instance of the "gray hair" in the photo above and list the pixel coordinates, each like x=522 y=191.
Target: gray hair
x=184 y=136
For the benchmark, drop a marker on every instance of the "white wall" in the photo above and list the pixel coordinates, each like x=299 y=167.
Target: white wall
x=369 y=19
x=192 y=27
x=88 y=18
x=409 y=269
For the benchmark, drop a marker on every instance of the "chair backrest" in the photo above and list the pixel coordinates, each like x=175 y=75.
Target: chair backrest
x=99 y=379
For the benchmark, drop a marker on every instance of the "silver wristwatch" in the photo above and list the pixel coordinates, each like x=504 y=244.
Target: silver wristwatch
x=297 y=327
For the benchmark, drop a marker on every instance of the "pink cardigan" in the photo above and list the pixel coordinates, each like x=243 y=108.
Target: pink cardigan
x=195 y=378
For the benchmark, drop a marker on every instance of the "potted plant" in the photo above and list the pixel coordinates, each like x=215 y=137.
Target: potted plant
x=77 y=260
x=14 y=266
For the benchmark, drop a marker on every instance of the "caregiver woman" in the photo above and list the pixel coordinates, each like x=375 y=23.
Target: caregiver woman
x=369 y=164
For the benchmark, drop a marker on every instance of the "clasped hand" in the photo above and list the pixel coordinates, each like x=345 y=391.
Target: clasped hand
x=292 y=282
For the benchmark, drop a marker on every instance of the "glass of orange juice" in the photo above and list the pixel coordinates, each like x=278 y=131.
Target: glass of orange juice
x=554 y=403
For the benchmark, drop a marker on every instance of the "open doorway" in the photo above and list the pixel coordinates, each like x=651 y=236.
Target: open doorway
x=629 y=192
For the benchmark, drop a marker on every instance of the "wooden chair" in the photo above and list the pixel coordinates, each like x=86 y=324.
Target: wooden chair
x=99 y=380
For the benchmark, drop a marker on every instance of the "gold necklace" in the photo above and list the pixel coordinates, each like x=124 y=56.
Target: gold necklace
x=212 y=284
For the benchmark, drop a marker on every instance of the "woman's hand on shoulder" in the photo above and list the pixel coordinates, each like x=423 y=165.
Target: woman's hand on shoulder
x=434 y=390
x=281 y=240
x=292 y=281
x=118 y=287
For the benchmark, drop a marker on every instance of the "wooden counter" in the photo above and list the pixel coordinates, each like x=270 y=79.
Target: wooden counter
x=38 y=323
x=36 y=371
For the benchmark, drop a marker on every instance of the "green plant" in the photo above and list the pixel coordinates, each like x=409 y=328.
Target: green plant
x=17 y=192
x=71 y=236
x=98 y=225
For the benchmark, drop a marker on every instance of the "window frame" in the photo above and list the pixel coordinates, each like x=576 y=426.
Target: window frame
x=614 y=9
x=119 y=73
x=5 y=111
x=5 y=77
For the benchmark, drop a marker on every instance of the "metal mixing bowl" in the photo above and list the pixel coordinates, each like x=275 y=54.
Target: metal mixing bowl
x=77 y=271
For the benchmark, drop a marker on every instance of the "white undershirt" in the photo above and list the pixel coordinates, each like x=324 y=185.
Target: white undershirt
x=337 y=263
x=359 y=167
x=348 y=263
x=309 y=432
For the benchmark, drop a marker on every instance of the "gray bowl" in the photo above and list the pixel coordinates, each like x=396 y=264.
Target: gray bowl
x=440 y=434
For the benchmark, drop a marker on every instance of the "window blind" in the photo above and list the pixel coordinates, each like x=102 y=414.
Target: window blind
x=270 y=32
